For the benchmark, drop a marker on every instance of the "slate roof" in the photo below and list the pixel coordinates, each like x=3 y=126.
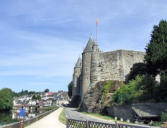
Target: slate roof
x=79 y=62
x=89 y=46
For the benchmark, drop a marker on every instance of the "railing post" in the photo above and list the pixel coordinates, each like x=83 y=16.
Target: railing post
x=87 y=124
x=116 y=124
x=67 y=124
x=165 y=125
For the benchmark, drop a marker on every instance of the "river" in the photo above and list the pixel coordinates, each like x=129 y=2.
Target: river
x=7 y=117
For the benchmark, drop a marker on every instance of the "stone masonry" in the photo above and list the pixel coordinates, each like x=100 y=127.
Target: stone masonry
x=98 y=66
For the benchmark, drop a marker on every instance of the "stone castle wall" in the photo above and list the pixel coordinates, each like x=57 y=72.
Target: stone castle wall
x=129 y=58
x=101 y=66
x=76 y=81
x=113 y=65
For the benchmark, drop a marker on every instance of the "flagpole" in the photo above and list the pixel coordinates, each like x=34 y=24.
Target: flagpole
x=96 y=28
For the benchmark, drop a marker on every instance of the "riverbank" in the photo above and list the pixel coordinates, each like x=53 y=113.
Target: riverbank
x=6 y=117
x=28 y=121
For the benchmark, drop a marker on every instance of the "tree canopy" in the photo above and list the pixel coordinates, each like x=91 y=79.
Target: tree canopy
x=23 y=93
x=70 y=89
x=36 y=97
x=156 y=50
x=137 y=69
x=6 y=99
x=46 y=90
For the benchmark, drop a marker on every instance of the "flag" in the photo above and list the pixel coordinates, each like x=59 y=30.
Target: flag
x=97 y=21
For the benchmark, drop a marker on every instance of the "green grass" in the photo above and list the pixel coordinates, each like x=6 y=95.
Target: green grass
x=62 y=117
x=107 y=87
x=112 y=118
x=106 y=90
x=99 y=116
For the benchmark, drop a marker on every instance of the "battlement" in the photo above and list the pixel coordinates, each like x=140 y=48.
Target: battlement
x=98 y=66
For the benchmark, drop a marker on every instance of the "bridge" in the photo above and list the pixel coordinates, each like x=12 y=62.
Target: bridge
x=76 y=119
x=50 y=121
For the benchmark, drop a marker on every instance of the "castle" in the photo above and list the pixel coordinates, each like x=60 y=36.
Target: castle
x=95 y=66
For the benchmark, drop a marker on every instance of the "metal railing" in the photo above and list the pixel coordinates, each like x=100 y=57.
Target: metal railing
x=71 y=123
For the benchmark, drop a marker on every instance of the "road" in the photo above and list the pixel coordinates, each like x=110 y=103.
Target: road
x=72 y=113
x=50 y=121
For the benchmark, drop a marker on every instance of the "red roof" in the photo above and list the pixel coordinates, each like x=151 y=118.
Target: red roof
x=50 y=93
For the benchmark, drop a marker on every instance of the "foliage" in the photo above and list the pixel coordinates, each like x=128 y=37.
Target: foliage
x=163 y=86
x=36 y=97
x=156 y=50
x=161 y=123
x=106 y=89
x=148 y=86
x=127 y=93
x=137 y=69
x=46 y=90
x=6 y=118
x=164 y=117
x=161 y=90
x=23 y=93
x=70 y=89
x=6 y=99
x=143 y=88
x=45 y=109
x=62 y=117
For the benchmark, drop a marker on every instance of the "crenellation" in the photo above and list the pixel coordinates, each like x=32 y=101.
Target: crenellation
x=101 y=66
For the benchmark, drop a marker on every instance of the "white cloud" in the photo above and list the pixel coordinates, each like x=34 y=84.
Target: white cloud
x=44 y=38
x=52 y=57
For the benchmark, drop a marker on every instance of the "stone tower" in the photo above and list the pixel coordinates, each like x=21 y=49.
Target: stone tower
x=77 y=78
x=96 y=66
x=86 y=66
x=94 y=72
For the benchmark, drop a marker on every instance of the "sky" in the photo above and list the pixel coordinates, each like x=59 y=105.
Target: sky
x=41 y=40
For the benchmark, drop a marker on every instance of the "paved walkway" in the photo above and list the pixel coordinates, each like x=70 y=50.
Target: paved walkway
x=72 y=113
x=50 y=121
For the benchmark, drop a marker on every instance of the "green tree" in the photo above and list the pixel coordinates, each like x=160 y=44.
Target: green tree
x=156 y=50
x=6 y=99
x=70 y=89
x=161 y=90
x=149 y=84
x=137 y=69
x=46 y=90
x=36 y=97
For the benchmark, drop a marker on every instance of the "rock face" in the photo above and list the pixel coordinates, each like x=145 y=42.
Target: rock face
x=95 y=100
x=96 y=66
x=140 y=111
x=123 y=111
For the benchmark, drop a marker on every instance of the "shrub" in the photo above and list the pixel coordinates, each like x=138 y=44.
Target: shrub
x=148 y=84
x=107 y=88
x=160 y=91
x=127 y=93
x=137 y=69
x=164 y=117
